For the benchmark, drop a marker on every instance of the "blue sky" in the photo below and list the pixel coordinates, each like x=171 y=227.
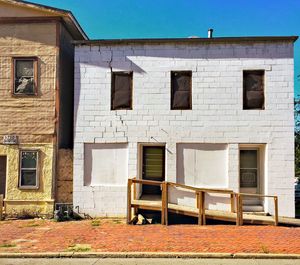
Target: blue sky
x=102 y=19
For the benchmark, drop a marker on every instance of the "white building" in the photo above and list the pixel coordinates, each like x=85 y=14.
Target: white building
x=214 y=112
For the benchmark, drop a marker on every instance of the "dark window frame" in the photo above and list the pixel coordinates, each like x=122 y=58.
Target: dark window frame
x=29 y=187
x=113 y=75
x=35 y=76
x=190 y=74
x=260 y=72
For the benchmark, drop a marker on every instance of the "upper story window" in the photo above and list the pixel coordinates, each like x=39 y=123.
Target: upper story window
x=253 y=89
x=181 y=90
x=25 y=76
x=29 y=169
x=121 y=90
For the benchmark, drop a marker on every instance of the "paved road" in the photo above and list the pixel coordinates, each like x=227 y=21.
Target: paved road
x=132 y=261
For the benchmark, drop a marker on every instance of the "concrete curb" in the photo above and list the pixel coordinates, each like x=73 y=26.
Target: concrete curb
x=184 y=255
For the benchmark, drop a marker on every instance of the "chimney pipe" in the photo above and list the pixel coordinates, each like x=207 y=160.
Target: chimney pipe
x=210 y=33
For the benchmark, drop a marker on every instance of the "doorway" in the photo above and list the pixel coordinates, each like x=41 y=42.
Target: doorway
x=3 y=175
x=251 y=178
x=153 y=167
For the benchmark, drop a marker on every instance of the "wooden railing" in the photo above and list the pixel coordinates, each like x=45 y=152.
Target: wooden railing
x=236 y=199
x=1 y=206
x=200 y=198
x=240 y=205
x=132 y=195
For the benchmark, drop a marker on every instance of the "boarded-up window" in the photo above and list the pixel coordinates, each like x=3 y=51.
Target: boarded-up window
x=105 y=164
x=181 y=88
x=121 y=90
x=202 y=165
x=25 y=76
x=254 y=90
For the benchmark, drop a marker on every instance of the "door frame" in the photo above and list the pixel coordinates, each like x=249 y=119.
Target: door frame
x=260 y=166
x=140 y=156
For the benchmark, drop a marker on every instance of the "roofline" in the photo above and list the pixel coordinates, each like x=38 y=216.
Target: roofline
x=78 y=26
x=186 y=40
x=54 y=9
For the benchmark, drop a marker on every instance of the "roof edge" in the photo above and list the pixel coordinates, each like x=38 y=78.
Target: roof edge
x=62 y=12
x=186 y=40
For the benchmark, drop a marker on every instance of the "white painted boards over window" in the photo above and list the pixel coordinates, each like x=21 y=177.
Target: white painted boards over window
x=202 y=165
x=105 y=164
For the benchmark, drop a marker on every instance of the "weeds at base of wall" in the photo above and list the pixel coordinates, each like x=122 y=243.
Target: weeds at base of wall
x=27 y=215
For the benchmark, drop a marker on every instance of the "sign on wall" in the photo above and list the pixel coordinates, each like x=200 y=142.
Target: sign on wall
x=10 y=139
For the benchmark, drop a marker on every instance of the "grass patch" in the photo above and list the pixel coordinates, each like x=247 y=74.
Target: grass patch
x=8 y=245
x=117 y=221
x=265 y=249
x=79 y=248
x=31 y=224
x=96 y=223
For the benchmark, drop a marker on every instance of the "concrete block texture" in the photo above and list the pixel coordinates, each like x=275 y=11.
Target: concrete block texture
x=216 y=117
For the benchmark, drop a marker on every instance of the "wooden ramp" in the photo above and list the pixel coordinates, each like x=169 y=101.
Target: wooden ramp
x=162 y=204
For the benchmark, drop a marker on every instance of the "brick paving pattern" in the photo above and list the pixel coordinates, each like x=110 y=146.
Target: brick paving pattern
x=109 y=235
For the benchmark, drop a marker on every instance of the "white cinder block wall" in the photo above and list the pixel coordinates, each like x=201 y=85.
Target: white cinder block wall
x=217 y=114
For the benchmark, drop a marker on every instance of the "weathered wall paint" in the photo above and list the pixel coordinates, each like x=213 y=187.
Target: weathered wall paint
x=31 y=118
x=43 y=121
x=20 y=201
x=217 y=114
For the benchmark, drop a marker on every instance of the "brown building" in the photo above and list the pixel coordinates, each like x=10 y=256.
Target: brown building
x=36 y=106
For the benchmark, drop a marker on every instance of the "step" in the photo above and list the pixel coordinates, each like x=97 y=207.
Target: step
x=253 y=201
x=253 y=208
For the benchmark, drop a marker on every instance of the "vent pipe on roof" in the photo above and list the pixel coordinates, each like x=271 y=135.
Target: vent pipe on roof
x=210 y=33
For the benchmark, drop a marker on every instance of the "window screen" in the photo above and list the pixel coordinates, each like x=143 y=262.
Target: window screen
x=248 y=168
x=121 y=93
x=253 y=90
x=28 y=169
x=181 y=85
x=24 y=76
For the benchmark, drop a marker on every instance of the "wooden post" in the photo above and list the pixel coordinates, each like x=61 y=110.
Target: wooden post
x=241 y=209
x=200 y=205
x=237 y=202
x=197 y=200
x=232 y=202
x=163 y=195
x=135 y=211
x=276 y=210
x=129 y=201
x=1 y=206
x=166 y=203
x=203 y=209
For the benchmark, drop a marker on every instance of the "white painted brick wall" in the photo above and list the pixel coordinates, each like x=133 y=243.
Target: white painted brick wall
x=217 y=115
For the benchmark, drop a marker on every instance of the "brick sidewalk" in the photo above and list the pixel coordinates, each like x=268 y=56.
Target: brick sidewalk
x=115 y=236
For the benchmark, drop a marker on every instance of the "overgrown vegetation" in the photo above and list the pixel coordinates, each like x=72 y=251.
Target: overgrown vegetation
x=96 y=222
